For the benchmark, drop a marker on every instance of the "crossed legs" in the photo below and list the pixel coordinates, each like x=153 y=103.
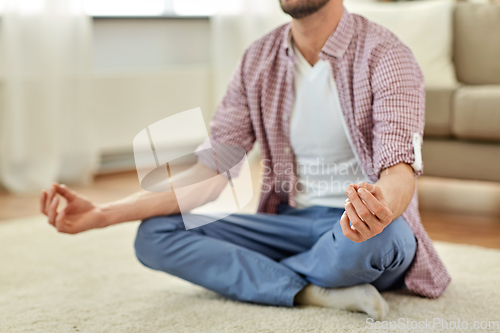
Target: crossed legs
x=269 y=259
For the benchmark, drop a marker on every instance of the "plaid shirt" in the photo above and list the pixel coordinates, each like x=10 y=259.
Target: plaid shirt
x=382 y=94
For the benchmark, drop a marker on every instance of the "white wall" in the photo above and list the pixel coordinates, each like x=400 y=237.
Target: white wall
x=126 y=103
x=144 y=71
x=154 y=43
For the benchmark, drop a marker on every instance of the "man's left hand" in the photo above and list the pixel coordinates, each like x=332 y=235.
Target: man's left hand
x=366 y=212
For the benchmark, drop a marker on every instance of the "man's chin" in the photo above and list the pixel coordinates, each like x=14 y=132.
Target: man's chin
x=298 y=9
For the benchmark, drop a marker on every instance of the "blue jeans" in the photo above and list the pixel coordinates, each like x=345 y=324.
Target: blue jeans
x=268 y=259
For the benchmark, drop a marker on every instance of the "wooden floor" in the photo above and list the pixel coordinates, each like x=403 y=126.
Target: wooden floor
x=444 y=206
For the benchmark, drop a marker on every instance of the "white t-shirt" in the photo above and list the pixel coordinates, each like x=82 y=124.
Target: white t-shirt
x=326 y=163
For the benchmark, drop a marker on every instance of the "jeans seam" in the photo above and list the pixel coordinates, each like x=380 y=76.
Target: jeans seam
x=310 y=232
x=294 y=277
x=382 y=259
x=399 y=245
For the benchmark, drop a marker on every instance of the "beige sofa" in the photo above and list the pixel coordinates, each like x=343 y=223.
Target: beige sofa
x=462 y=128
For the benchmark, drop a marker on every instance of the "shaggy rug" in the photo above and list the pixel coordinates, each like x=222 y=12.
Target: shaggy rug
x=92 y=282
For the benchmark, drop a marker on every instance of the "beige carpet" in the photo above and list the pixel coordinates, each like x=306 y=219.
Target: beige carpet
x=93 y=283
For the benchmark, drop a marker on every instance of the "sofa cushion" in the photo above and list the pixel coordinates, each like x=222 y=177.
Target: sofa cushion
x=476 y=113
x=438 y=111
x=477 y=43
x=461 y=159
x=426 y=27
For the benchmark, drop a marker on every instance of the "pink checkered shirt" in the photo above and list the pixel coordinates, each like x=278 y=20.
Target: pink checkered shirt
x=381 y=89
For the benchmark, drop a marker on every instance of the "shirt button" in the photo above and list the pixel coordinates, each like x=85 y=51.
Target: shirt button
x=285 y=117
x=287 y=150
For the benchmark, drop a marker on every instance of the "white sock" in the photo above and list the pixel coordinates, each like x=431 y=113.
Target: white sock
x=363 y=298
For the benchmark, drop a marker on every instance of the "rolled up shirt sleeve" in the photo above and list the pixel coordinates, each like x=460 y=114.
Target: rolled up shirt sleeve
x=398 y=110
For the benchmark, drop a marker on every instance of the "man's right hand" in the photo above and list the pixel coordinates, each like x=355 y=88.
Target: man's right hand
x=80 y=214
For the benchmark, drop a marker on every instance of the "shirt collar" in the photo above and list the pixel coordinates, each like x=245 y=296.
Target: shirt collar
x=336 y=45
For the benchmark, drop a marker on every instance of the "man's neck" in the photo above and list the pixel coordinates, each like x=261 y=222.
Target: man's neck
x=311 y=33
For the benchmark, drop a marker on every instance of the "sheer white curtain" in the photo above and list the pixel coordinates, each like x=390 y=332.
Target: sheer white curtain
x=45 y=129
x=236 y=24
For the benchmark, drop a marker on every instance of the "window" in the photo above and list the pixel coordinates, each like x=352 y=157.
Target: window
x=124 y=8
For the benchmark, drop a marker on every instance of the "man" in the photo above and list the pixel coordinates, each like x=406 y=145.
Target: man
x=332 y=92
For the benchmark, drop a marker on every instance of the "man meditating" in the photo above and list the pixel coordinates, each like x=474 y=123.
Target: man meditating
x=332 y=99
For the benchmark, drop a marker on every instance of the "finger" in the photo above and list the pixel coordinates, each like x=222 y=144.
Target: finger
x=373 y=189
x=377 y=192
x=357 y=223
x=52 y=213
x=376 y=207
x=366 y=185
x=65 y=191
x=43 y=198
x=50 y=197
x=353 y=235
x=60 y=223
x=360 y=207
